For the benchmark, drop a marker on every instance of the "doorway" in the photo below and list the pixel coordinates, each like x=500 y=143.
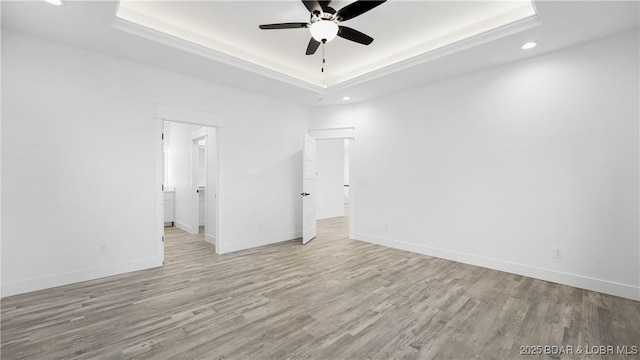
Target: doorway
x=333 y=188
x=188 y=174
x=190 y=183
x=333 y=178
x=333 y=198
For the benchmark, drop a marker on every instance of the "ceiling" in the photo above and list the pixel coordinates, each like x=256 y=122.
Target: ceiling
x=219 y=41
x=402 y=30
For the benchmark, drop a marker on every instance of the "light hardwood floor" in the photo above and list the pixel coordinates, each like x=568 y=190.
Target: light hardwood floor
x=331 y=299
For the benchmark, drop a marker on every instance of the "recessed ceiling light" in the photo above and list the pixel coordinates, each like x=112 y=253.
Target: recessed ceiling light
x=529 y=45
x=346 y=98
x=55 y=2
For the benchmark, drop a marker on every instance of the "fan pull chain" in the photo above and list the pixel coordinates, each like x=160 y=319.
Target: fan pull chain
x=323 y=57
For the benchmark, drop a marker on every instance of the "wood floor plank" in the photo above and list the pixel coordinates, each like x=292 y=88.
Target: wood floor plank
x=333 y=298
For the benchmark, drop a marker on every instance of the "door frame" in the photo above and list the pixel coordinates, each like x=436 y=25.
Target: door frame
x=172 y=113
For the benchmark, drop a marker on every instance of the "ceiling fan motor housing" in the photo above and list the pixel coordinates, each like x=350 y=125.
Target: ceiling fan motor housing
x=327 y=14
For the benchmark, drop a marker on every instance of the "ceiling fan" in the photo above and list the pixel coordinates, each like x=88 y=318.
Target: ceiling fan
x=324 y=20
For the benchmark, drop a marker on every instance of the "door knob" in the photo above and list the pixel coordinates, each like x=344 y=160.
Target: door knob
x=305 y=194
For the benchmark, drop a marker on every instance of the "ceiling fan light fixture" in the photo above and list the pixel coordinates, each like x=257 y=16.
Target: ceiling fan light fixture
x=324 y=30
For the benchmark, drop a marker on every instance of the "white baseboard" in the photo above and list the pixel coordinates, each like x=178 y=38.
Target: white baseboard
x=50 y=281
x=330 y=214
x=579 y=281
x=183 y=227
x=210 y=239
x=248 y=244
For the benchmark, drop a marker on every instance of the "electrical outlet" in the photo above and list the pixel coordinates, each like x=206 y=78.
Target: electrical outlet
x=102 y=249
x=558 y=253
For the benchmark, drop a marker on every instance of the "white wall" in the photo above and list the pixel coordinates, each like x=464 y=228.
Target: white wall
x=329 y=186
x=499 y=167
x=79 y=160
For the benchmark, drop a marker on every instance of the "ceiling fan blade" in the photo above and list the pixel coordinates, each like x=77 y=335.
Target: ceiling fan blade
x=312 y=6
x=313 y=46
x=354 y=35
x=324 y=4
x=295 y=25
x=357 y=8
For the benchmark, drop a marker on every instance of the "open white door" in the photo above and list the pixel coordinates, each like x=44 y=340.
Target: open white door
x=309 y=176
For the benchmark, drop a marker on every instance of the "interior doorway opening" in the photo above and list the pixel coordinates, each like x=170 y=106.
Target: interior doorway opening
x=213 y=125
x=333 y=195
x=333 y=192
x=190 y=184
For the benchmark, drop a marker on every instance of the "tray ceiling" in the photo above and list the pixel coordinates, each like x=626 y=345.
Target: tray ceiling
x=403 y=31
